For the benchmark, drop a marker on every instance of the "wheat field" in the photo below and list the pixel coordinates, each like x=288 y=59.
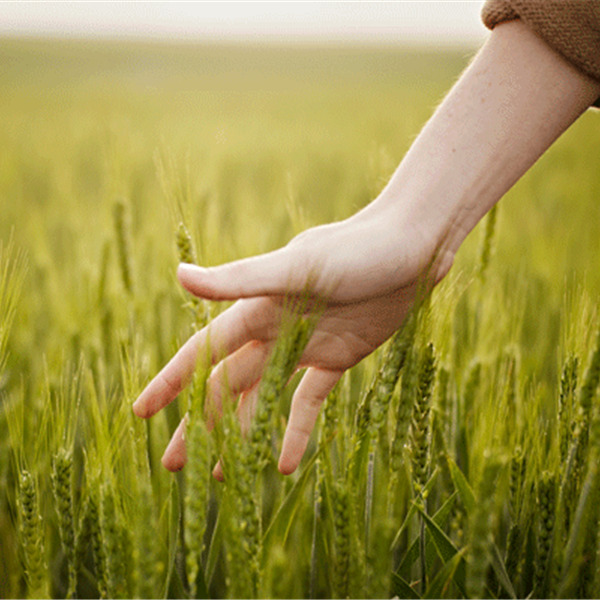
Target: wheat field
x=459 y=460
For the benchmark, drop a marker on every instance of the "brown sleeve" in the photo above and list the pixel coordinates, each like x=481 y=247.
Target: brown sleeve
x=571 y=27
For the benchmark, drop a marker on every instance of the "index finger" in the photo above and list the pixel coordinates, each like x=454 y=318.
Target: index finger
x=244 y=321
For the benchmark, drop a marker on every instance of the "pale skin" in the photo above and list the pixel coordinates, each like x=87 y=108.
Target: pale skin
x=514 y=100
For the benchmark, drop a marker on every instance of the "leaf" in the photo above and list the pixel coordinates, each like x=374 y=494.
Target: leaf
x=586 y=506
x=528 y=562
x=327 y=530
x=176 y=588
x=442 y=580
x=443 y=512
x=173 y=520
x=281 y=524
x=201 y=589
x=401 y=588
x=412 y=510
x=462 y=486
x=412 y=554
x=214 y=548
x=500 y=570
x=445 y=547
x=444 y=544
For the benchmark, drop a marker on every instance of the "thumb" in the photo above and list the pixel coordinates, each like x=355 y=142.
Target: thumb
x=267 y=274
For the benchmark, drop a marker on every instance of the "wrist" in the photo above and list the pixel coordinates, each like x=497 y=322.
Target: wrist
x=416 y=231
x=425 y=217
x=509 y=106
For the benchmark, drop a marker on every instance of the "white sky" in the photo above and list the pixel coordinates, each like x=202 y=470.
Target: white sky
x=424 y=20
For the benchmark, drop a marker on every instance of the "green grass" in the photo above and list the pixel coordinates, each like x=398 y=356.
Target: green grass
x=219 y=136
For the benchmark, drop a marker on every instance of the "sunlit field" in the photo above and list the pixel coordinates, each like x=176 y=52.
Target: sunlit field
x=460 y=460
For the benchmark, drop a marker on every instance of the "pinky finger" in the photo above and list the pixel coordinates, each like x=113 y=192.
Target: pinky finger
x=306 y=403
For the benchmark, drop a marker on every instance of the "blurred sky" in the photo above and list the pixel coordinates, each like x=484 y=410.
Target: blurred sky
x=424 y=21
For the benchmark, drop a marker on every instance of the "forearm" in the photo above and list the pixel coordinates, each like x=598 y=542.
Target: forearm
x=508 y=107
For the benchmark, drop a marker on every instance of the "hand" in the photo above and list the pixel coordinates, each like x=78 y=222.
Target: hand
x=366 y=269
x=517 y=96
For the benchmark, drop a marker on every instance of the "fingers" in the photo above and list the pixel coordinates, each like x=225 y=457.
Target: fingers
x=238 y=373
x=245 y=411
x=175 y=456
x=267 y=274
x=306 y=403
x=233 y=375
x=229 y=331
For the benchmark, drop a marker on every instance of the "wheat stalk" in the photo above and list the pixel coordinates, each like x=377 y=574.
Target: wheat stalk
x=62 y=487
x=123 y=235
x=31 y=532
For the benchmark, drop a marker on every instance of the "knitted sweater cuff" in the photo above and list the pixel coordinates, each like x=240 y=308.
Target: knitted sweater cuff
x=571 y=27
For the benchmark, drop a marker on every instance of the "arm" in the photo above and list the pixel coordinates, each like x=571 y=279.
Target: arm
x=508 y=107
x=516 y=98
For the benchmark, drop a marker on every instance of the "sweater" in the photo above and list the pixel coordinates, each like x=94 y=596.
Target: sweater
x=571 y=27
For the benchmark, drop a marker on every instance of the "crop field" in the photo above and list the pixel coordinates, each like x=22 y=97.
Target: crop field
x=462 y=459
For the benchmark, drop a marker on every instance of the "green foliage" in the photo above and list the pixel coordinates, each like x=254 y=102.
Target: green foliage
x=197 y=475
x=31 y=532
x=289 y=346
x=472 y=472
x=62 y=487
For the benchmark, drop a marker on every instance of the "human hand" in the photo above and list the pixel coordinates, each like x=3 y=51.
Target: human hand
x=365 y=271
x=517 y=96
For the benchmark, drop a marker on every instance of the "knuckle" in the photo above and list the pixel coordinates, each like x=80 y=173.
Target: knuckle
x=299 y=431
x=172 y=385
x=312 y=402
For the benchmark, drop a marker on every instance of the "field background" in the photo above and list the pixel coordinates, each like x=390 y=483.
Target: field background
x=258 y=142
